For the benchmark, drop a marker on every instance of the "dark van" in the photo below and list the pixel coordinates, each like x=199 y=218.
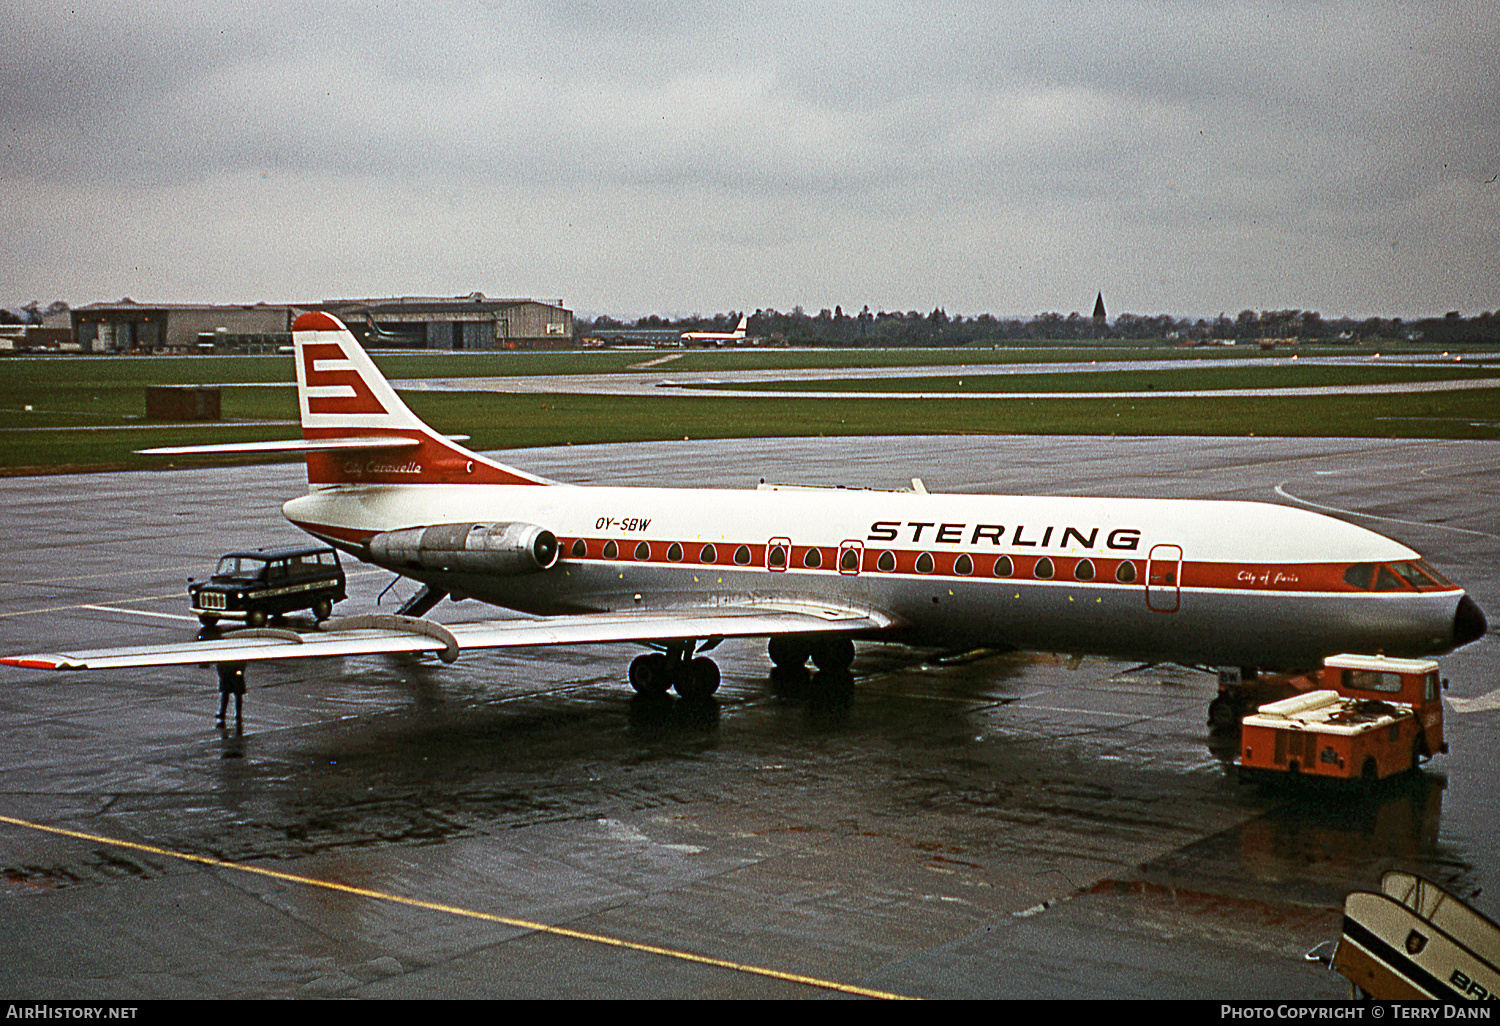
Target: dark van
x=255 y=586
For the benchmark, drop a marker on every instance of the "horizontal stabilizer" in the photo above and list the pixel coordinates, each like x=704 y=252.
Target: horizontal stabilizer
x=288 y=445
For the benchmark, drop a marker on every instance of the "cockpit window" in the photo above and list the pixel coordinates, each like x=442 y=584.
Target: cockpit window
x=1427 y=569
x=1415 y=574
x=1395 y=576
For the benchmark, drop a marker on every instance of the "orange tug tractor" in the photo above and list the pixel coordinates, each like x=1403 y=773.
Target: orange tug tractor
x=1370 y=717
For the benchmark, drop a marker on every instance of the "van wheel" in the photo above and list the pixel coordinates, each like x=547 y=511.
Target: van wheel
x=255 y=618
x=207 y=620
x=322 y=609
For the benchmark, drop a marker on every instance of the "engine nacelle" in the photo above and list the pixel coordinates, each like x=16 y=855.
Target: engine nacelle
x=503 y=549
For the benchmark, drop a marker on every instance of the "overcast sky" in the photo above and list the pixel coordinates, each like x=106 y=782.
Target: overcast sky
x=653 y=156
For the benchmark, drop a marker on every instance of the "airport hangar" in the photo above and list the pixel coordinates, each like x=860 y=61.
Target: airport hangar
x=473 y=322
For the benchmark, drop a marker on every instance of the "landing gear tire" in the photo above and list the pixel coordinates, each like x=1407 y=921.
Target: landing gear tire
x=833 y=655
x=789 y=650
x=1223 y=714
x=698 y=680
x=651 y=674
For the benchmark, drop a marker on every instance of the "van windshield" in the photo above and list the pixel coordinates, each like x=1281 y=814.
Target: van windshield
x=239 y=566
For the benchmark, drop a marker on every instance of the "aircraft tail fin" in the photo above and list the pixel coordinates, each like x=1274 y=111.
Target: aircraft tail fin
x=739 y=332
x=345 y=401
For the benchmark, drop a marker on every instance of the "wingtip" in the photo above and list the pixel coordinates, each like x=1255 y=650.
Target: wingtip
x=33 y=663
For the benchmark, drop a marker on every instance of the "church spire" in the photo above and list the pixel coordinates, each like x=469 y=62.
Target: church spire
x=1099 y=314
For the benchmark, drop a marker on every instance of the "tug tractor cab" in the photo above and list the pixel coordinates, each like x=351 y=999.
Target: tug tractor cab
x=1369 y=718
x=257 y=586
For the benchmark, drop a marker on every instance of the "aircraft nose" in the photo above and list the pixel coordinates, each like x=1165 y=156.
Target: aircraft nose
x=1469 y=623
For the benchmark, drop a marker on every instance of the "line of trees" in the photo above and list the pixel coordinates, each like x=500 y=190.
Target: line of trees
x=837 y=328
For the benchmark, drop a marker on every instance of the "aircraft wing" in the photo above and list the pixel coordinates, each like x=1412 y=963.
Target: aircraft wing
x=377 y=634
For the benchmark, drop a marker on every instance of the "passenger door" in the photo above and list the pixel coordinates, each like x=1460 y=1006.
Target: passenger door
x=1164 y=578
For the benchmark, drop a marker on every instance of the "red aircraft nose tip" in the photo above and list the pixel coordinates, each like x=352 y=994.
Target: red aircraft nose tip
x=1469 y=623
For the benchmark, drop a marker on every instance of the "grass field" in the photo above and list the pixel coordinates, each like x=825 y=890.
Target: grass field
x=106 y=396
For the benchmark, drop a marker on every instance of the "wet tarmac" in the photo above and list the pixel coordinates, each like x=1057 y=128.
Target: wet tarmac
x=518 y=825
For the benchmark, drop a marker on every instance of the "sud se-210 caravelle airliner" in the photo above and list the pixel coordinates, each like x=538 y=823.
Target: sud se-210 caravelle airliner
x=1198 y=582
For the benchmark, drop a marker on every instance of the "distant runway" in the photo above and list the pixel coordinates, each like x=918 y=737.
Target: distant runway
x=656 y=377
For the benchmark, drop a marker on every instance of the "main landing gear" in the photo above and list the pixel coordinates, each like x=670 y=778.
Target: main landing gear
x=830 y=654
x=831 y=688
x=695 y=678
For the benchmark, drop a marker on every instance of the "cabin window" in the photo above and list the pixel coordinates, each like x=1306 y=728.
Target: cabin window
x=580 y=548
x=708 y=554
x=886 y=564
x=776 y=557
x=642 y=551
x=674 y=553
x=1004 y=567
x=1125 y=572
x=1044 y=568
x=742 y=556
x=1084 y=571
x=812 y=559
x=963 y=565
x=849 y=560
x=611 y=550
x=924 y=563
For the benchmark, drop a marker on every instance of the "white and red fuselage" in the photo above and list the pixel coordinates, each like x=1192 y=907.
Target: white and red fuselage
x=1192 y=581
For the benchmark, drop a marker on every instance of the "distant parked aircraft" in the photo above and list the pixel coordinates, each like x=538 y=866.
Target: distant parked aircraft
x=737 y=335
